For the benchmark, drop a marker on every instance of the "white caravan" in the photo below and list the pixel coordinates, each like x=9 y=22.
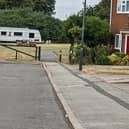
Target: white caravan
x=11 y=34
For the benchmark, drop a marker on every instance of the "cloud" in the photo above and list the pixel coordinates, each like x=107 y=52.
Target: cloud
x=64 y=8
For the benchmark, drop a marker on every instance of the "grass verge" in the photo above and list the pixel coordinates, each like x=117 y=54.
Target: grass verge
x=10 y=55
x=107 y=69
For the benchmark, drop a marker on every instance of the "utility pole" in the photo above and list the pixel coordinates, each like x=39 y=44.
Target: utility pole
x=83 y=35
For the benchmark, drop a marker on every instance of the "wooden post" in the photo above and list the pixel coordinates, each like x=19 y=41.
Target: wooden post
x=39 y=53
x=36 y=49
x=60 y=56
x=16 y=55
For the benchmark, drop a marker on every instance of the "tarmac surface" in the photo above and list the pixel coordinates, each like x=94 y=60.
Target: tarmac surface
x=27 y=100
x=48 y=56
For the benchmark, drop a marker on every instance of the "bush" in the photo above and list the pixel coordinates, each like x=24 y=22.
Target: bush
x=118 y=58
x=102 y=56
x=76 y=54
x=115 y=59
x=121 y=55
x=103 y=60
x=88 y=54
x=103 y=50
x=124 y=61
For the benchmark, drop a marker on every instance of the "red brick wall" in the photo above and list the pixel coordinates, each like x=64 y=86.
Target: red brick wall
x=119 y=21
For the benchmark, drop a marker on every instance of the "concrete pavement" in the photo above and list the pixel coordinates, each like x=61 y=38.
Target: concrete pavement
x=93 y=103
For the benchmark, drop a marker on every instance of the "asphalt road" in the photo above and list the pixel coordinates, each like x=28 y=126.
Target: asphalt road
x=48 y=56
x=27 y=100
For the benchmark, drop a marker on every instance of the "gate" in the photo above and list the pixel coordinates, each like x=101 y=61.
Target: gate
x=37 y=55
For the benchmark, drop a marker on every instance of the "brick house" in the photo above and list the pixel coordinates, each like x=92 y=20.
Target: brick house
x=119 y=24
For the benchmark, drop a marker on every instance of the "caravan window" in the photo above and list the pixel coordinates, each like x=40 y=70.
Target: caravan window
x=9 y=34
x=31 y=35
x=17 y=33
x=3 y=33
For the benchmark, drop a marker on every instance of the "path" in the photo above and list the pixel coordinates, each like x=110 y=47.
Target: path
x=48 y=56
x=94 y=103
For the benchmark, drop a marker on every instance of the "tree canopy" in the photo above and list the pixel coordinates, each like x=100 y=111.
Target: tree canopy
x=45 y=6
x=37 y=14
x=96 y=29
x=101 y=10
x=50 y=28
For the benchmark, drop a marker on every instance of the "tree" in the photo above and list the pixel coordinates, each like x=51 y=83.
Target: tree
x=102 y=10
x=49 y=27
x=97 y=32
x=13 y=3
x=76 y=33
x=46 y=6
x=72 y=21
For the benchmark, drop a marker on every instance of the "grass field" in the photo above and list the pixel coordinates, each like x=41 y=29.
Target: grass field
x=56 y=48
x=10 y=55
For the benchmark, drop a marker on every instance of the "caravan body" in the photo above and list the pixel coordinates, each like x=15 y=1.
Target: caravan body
x=11 y=34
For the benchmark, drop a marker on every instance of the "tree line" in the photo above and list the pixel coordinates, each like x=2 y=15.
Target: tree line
x=45 y=6
x=37 y=14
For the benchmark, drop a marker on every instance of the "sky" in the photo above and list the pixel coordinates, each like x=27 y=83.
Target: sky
x=65 y=8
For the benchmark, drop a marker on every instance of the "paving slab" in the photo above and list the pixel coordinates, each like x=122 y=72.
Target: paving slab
x=93 y=109
x=119 y=94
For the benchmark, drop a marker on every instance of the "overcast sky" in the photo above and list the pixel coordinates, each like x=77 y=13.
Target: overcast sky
x=65 y=8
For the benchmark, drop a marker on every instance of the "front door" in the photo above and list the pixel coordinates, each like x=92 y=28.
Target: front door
x=127 y=50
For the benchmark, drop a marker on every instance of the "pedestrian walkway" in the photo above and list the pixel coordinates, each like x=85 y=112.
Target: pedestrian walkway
x=48 y=56
x=93 y=102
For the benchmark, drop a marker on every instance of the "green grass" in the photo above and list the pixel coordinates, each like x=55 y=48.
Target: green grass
x=56 y=49
x=9 y=55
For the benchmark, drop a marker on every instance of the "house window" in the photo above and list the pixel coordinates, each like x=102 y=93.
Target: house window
x=122 y=6
x=31 y=35
x=118 y=41
x=118 y=5
x=127 y=5
x=3 y=33
x=17 y=33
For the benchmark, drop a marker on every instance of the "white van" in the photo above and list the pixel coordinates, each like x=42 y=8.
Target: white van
x=11 y=34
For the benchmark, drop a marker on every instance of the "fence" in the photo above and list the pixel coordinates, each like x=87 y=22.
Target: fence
x=37 y=55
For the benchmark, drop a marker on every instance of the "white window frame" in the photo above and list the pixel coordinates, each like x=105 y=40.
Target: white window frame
x=122 y=4
x=120 y=41
x=126 y=36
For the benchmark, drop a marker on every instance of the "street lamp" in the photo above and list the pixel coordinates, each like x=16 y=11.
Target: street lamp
x=83 y=35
